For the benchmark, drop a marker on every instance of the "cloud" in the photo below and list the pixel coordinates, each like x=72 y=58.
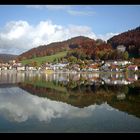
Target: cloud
x=106 y=36
x=20 y=36
x=81 y=13
x=18 y=105
x=68 y=9
x=50 y=7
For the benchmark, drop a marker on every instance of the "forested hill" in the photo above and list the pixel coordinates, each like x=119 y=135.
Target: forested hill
x=130 y=39
x=53 y=48
x=95 y=49
x=6 y=57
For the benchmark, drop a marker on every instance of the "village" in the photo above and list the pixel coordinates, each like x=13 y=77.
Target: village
x=94 y=66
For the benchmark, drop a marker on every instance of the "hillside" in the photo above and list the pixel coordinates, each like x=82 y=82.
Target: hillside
x=130 y=39
x=84 y=44
x=6 y=57
x=40 y=60
x=86 y=48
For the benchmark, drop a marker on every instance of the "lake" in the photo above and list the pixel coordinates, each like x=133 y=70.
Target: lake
x=64 y=102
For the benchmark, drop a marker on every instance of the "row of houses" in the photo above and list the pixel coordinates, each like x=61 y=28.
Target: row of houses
x=111 y=66
x=21 y=67
x=94 y=66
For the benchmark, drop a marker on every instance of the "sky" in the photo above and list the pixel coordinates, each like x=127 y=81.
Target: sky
x=23 y=27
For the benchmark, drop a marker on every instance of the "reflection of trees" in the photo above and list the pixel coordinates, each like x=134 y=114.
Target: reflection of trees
x=77 y=87
x=131 y=104
x=82 y=95
x=134 y=88
x=93 y=88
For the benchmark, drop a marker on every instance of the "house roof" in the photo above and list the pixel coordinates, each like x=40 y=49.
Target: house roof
x=132 y=66
x=95 y=66
x=113 y=66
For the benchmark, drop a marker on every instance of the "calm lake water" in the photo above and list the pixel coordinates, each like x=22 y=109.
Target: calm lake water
x=35 y=102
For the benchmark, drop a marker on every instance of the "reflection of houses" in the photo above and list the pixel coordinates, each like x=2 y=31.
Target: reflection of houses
x=121 y=96
x=115 y=81
x=132 y=78
x=94 y=77
x=12 y=77
x=76 y=77
x=115 y=76
x=119 y=79
x=120 y=82
x=114 y=68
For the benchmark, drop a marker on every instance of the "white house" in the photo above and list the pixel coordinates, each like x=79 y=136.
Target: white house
x=4 y=68
x=121 y=48
x=19 y=64
x=31 y=68
x=123 y=63
x=21 y=68
x=10 y=67
x=132 y=67
x=58 y=66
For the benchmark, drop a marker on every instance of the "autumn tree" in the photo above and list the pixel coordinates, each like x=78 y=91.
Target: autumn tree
x=34 y=64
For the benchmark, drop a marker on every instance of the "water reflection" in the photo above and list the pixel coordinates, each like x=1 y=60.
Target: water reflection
x=20 y=106
x=103 y=78
x=24 y=96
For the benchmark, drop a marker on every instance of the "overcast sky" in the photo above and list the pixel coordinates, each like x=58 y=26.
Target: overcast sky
x=23 y=27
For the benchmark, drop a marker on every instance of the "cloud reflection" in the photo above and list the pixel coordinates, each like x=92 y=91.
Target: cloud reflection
x=19 y=106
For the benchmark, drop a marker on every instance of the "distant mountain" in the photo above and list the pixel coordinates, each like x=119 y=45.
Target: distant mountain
x=85 y=44
x=130 y=39
x=6 y=57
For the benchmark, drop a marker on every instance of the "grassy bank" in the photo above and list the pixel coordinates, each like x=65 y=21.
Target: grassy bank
x=40 y=60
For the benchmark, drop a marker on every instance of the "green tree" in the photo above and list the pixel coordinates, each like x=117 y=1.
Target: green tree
x=86 y=62
x=55 y=60
x=72 y=59
x=126 y=55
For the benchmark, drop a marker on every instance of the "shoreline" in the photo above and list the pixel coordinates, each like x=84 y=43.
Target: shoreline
x=72 y=72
